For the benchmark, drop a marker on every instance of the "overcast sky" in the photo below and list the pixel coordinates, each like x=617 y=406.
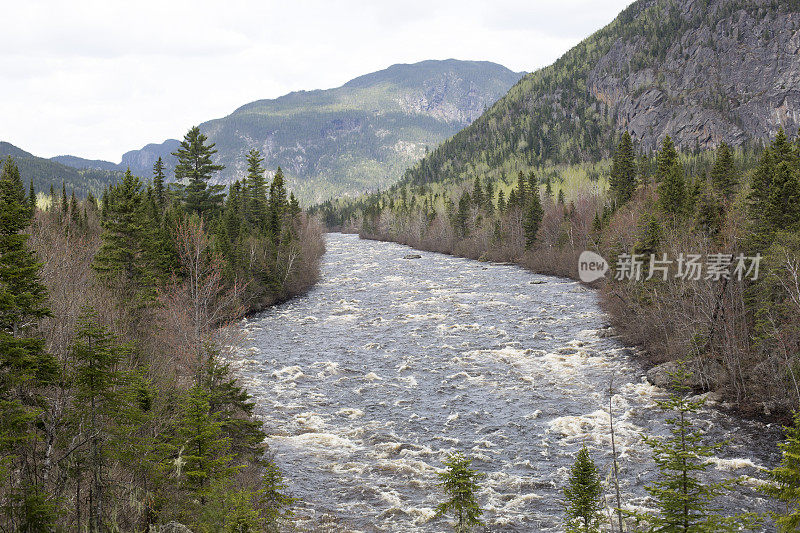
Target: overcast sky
x=99 y=78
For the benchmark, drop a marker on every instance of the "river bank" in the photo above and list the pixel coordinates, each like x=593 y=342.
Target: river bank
x=366 y=382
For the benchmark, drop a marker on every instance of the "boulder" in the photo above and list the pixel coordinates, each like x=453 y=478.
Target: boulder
x=703 y=375
x=413 y=256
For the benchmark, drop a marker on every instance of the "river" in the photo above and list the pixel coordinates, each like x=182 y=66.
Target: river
x=367 y=382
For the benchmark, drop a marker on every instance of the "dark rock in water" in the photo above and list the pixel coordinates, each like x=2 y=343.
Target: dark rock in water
x=413 y=256
x=538 y=282
x=174 y=527
x=703 y=375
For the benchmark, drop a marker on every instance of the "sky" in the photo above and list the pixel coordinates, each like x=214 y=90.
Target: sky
x=98 y=78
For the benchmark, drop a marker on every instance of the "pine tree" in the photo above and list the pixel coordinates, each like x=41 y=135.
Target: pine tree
x=158 y=182
x=74 y=212
x=623 y=170
x=561 y=199
x=583 y=492
x=672 y=185
x=196 y=167
x=786 y=479
x=724 y=176
x=533 y=219
x=501 y=201
x=460 y=483
x=294 y=205
x=710 y=212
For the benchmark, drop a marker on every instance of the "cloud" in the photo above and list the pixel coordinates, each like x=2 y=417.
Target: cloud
x=96 y=79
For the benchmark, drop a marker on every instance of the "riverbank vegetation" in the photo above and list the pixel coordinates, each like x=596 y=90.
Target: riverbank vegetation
x=117 y=411
x=739 y=334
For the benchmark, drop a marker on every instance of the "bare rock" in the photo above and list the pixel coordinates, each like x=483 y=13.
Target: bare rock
x=413 y=256
x=703 y=375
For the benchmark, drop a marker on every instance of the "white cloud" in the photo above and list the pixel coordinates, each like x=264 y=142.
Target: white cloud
x=98 y=78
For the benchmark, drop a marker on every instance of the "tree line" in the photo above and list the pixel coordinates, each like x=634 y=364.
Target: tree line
x=117 y=410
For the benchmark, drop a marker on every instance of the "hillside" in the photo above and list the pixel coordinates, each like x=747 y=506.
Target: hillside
x=702 y=71
x=353 y=138
x=47 y=172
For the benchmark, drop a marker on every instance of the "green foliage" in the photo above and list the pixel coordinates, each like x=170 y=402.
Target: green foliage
x=724 y=175
x=459 y=483
x=583 y=496
x=623 y=170
x=684 y=498
x=786 y=479
x=196 y=167
x=671 y=180
x=533 y=217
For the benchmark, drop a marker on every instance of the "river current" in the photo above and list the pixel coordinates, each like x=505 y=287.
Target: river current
x=368 y=381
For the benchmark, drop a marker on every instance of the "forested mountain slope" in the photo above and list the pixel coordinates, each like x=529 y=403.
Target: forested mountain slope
x=353 y=138
x=50 y=172
x=702 y=71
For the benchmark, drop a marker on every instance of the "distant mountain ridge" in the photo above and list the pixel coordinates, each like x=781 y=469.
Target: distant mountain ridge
x=350 y=139
x=52 y=172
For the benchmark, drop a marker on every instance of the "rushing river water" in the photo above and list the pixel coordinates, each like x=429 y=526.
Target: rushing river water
x=367 y=382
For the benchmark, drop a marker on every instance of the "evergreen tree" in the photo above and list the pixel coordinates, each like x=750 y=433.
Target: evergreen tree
x=501 y=201
x=583 y=492
x=683 y=497
x=783 y=204
x=277 y=205
x=32 y=199
x=74 y=212
x=477 y=193
x=786 y=479
x=548 y=187
x=255 y=192
x=723 y=174
x=672 y=186
x=623 y=170
x=158 y=182
x=533 y=219
x=710 y=212
x=123 y=254
x=99 y=406
x=294 y=205
x=64 y=203
x=196 y=167
x=461 y=224
x=561 y=199
x=460 y=484
x=24 y=364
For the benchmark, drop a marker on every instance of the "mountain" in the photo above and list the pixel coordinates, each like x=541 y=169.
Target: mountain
x=79 y=162
x=353 y=138
x=702 y=71
x=48 y=172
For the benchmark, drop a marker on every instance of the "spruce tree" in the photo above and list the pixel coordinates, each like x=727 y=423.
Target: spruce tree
x=32 y=199
x=672 y=184
x=24 y=364
x=461 y=221
x=195 y=165
x=783 y=204
x=682 y=495
x=98 y=390
x=724 y=176
x=533 y=218
x=583 y=496
x=786 y=479
x=460 y=484
x=623 y=170
x=477 y=193
x=277 y=205
x=158 y=182
x=64 y=202
x=254 y=192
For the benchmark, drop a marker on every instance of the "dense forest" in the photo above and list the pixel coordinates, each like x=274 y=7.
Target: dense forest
x=117 y=410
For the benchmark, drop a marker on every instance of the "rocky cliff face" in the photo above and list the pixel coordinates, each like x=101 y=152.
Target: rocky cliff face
x=702 y=71
x=731 y=80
